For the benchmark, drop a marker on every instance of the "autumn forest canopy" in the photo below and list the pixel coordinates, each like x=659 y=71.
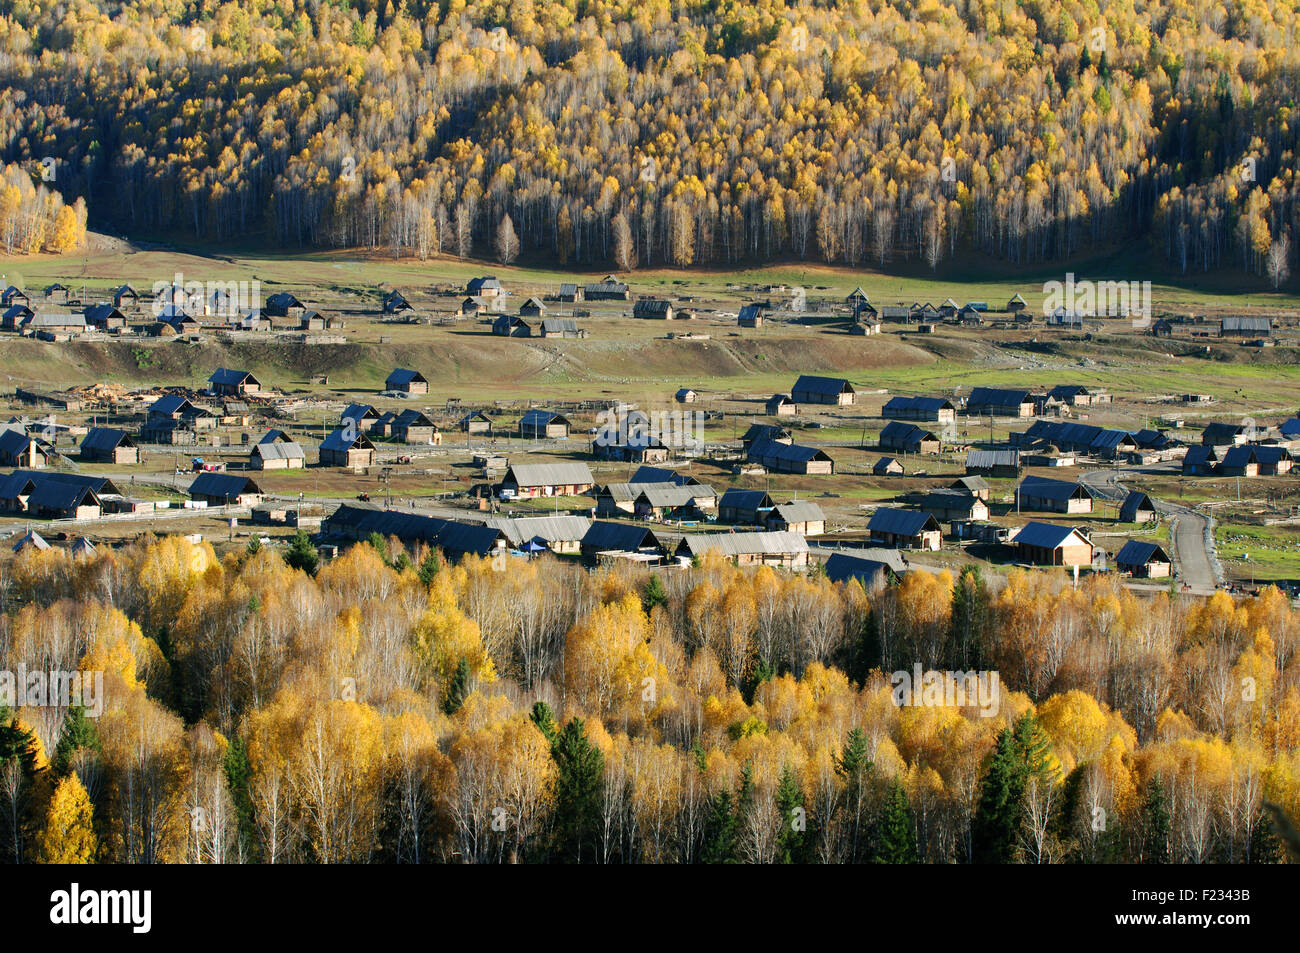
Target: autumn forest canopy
x=390 y=706
x=650 y=132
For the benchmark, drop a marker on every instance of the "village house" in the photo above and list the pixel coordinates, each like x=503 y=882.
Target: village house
x=362 y=416
x=1224 y=434
x=999 y=402
x=1144 y=560
x=14 y=295
x=790 y=458
x=1047 y=544
x=780 y=405
x=1016 y=303
x=1201 y=460
x=564 y=478
x=475 y=422
x=284 y=304
x=570 y=292
x=532 y=308
x=311 y=321
x=276 y=455
x=347 y=447
x=612 y=539
x=1077 y=395
x=108 y=445
x=1137 y=508
x=782 y=550
x=511 y=326
x=887 y=466
x=949 y=505
x=871 y=574
x=230 y=383
x=54 y=325
x=685 y=395
x=974 y=485
x=993 y=463
x=750 y=316
x=653 y=308
x=105 y=317
x=744 y=507
x=908 y=438
x=1249 y=326
x=758 y=433
x=225 y=489
x=660 y=501
x=938 y=409
x=810 y=389
x=797 y=516
x=395 y=303
x=406 y=381
x=1053 y=496
x=904 y=529
x=608 y=288
x=537 y=424
x=534 y=534
x=560 y=328
x=124 y=296
x=486 y=286
x=15 y=316
x=411 y=426
x=454 y=538
x=18 y=448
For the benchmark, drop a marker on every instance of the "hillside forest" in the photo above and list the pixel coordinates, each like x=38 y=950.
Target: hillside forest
x=602 y=132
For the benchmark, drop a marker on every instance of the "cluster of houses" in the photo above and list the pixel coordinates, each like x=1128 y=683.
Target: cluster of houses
x=59 y=315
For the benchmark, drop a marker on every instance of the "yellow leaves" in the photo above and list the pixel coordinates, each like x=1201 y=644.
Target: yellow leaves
x=445 y=635
x=117 y=646
x=1081 y=728
x=68 y=836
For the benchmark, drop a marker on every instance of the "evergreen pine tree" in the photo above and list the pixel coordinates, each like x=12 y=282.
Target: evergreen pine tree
x=302 y=553
x=579 y=792
x=1156 y=829
x=793 y=839
x=238 y=779
x=854 y=766
x=996 y=823
x=457 y=688
x=254 y=546
x=429 y=567
x=719 y=840
x=378 y=544
x=544 y=718
x=896 y=843
x=969 y=619
x=78 y=731
x=654 y=594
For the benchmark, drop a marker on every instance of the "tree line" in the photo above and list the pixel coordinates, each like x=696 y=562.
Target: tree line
x=676 y=133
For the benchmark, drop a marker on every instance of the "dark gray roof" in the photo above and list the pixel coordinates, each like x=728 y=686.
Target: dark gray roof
x=738 y=498
x=226 y=485
x=901 y=522
x=1138 y=552
x=231 y=378
x=603 y=535
x=106 y=438
x=1044 y=535
x=987 y=459
x=401 y=376
x=541 y=418
x=841 y=567
x=927 y=404
x=997 y=397
x=452 y=536
x=338 y=440
x=1049 y=489
x=829 y=386
x=1136 y=500
x=797 y=453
